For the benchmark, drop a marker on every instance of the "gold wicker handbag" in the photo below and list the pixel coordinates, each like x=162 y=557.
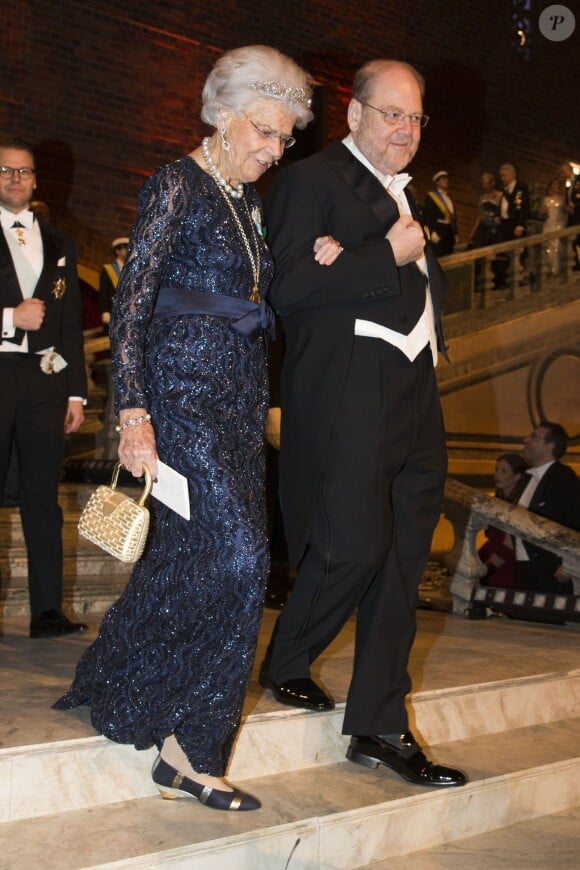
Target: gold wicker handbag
x=115 y=522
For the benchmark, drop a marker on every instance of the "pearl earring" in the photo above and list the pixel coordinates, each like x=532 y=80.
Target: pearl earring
x=225 y=144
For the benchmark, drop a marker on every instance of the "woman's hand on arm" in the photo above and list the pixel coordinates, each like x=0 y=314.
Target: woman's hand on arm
x=326 y=250
x=137 y=444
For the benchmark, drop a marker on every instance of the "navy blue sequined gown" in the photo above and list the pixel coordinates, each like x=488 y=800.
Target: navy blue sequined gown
x=174 y=653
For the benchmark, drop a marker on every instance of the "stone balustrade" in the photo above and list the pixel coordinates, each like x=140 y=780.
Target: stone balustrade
x=469 y=510
x=470 y=273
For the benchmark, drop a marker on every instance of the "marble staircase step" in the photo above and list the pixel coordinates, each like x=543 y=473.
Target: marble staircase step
x=91 y=771
x=92 y=578
x=547 y=843
x=84 y=593
x=332 y=817
x=499 y=698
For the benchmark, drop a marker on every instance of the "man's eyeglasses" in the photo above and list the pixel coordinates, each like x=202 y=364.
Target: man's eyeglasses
x=396 y=117
x=285 y=141
x=23 y=172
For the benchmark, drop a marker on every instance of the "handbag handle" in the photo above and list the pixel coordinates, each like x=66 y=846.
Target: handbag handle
x=148 y=482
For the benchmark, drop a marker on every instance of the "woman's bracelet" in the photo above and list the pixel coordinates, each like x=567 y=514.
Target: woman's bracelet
x=133 y=421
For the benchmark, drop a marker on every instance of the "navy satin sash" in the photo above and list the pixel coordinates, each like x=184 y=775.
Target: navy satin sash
x=247 y=317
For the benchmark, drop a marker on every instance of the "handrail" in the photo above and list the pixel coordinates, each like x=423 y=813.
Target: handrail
x=464 y=257
x=482 y=278
x=469 y=510
x=96 y=344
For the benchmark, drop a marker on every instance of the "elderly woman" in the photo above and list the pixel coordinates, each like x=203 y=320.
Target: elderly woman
x=172 y=660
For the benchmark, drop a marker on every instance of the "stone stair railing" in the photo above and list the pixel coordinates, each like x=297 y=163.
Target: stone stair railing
x=470 y=273
x=469 y=510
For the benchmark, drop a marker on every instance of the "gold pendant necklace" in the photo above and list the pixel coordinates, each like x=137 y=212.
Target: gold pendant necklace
x=254 y=261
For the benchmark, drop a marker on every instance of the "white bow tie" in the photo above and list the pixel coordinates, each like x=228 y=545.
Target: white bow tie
x=25 y=219
x=395 y=184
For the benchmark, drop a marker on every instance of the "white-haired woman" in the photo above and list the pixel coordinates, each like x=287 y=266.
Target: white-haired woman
x=172 y=660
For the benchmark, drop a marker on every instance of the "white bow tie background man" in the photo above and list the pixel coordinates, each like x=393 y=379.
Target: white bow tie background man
x=553 y=491
x=40 y=309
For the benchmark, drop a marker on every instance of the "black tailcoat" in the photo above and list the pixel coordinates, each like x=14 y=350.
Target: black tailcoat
x=331 y=193
x=62 y=327
x=363 y=457
x=518 y=211
x=34 y=407
x=557 y=497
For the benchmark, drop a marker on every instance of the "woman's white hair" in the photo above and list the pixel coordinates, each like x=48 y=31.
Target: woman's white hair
x=245 y=74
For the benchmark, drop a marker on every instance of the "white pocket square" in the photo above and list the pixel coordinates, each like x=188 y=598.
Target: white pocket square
x=62 y=262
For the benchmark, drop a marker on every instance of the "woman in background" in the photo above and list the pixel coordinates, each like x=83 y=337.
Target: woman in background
x=498 y=551
x=554 y=210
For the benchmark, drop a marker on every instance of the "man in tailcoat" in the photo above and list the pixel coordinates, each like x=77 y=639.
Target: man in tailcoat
x=552 y=491
x=109 y=279
x=439 y=215
x=514 y=209
x=363 y=459
x=42 y=376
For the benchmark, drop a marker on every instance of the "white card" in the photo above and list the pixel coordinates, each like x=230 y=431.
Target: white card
x=171 y=489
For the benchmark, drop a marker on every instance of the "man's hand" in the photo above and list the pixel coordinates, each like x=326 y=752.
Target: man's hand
x=74 y=416
x=561 y=575
x=29 y=315
x=407 y=240
x=519 y=231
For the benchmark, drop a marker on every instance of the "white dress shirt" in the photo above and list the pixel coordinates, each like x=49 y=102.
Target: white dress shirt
x=25 y=246
x=536 y=474
x=423 y=333
x=504 y=206
x=28 y=259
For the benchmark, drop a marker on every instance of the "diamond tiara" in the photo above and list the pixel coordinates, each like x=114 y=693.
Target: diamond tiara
x=280 y=91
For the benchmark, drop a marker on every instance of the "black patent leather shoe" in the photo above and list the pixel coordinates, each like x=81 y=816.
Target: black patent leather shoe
x=173 y=785
x=301 y=692
x=53 y=623
x=407 y=759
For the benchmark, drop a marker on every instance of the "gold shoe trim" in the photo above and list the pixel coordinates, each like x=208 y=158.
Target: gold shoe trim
x=177 y=780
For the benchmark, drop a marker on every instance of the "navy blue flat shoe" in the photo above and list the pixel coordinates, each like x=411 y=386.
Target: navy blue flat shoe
x=173 y=785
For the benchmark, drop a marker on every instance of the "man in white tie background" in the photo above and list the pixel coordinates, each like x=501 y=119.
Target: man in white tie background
x=439 y=215
x=552 y=491
x=42 y=376
x=363 y=458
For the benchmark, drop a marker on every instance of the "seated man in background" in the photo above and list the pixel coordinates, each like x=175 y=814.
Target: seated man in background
x=553 y=491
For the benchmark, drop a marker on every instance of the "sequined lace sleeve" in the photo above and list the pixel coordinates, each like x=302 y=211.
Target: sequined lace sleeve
x=160 y=207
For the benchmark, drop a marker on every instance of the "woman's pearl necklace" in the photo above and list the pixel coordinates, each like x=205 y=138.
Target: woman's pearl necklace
x=235 y=192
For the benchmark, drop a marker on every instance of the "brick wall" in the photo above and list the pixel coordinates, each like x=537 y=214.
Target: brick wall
x=107 y=91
